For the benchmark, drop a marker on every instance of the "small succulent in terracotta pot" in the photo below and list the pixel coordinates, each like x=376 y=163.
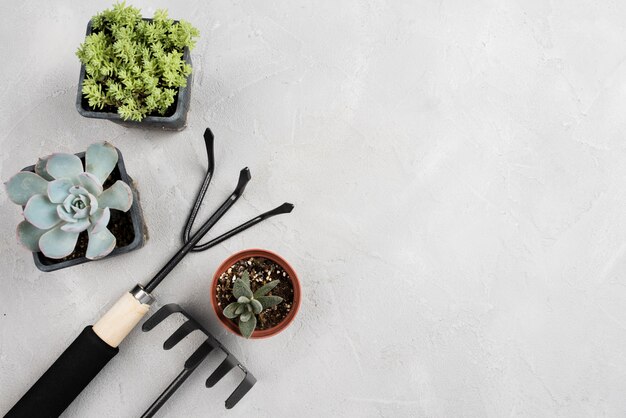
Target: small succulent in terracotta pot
x=255 y=293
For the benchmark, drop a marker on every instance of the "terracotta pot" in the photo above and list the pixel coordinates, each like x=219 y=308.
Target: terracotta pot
x=232 y=326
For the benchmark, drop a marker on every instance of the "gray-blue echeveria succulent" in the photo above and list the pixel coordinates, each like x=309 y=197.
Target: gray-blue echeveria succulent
x=61 y=199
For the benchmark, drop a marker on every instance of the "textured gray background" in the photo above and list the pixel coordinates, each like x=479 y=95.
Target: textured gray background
x=458 y=170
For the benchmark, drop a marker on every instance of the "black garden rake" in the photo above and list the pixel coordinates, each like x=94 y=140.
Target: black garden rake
x=210 y=344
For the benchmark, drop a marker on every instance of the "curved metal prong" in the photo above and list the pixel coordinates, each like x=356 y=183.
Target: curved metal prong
x=208 y=142
x=225 y=366
x=199 y=355
x=160 y=315
x=244 y=178
x=194 y=361
x=243 y=388
x=284 y=208
x=184 y=330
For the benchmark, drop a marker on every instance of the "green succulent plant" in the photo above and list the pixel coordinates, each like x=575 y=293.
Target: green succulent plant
x=249 y=304
x=61 y=200
x=135 y=65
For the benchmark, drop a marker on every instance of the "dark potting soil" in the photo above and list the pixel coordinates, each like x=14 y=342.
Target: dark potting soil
x=120 y=225
x=262 y=271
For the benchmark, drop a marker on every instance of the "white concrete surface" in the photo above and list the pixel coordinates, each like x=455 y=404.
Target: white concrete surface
x=458 y=170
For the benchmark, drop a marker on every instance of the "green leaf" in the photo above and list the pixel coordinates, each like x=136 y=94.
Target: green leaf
x=247 y=327
x=257 y=307
x=245 y=316
x=119 y=196
x=269 y=301
x=100 y=244
x=40 y=168
x=266 y=288
x=245 y=276
x=100 y=219
x=29 y=236
x=25 y=185
x=230 y=310
x=240 y=309
x=243 y=299
x=57 y=243
x=241 y=287
x=100 y=160
x=40 y=212
x=59 y=189
x=90 y=183
x=77 y=226
x=160 y=15
x=64 y=166
x=127 y=59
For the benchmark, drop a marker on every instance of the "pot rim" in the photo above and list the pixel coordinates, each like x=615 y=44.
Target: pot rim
x=270 y=255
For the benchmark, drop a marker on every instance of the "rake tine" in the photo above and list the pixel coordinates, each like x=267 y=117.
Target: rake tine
x=243 y=388
x=184 y=330
x=199 y=355
x=225 y=366
x=190 y=366
x=195 y=359
x=160 y=315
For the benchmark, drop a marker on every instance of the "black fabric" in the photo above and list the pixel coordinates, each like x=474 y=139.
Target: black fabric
x=66 y=378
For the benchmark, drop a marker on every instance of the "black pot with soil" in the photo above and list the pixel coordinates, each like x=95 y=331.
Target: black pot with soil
x=174 y=119
x=127 y=227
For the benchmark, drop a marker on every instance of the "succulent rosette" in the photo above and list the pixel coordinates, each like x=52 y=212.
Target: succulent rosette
x=61 y=199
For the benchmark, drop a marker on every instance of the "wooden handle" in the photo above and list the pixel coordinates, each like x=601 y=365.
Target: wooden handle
x=119 y=321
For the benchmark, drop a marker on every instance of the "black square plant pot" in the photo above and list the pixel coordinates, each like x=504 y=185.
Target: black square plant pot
x=174 y=122
x=135 y=236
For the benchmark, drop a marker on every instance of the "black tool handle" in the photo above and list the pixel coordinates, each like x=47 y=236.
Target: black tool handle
x=66 y=378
